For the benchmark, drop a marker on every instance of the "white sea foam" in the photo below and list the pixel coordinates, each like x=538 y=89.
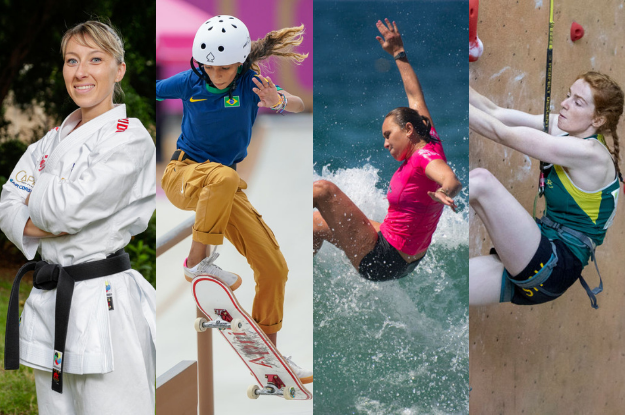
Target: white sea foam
x=410 y=335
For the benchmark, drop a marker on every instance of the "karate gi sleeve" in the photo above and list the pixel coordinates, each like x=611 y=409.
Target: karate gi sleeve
x=13 y=210
x=172 y=88
x=107 y=186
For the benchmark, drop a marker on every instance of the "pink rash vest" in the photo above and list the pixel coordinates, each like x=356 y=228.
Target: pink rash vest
x=412 y=215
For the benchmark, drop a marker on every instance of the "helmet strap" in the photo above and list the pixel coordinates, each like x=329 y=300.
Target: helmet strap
x=240 y=71
x=200 y=72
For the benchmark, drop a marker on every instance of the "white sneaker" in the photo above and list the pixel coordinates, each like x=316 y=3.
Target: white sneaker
x=206 y=267
x=304 y=375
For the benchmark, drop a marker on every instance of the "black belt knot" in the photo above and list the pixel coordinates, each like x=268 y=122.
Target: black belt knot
x=48 y=277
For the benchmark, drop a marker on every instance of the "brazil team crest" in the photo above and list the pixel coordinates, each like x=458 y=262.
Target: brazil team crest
x=232 y=102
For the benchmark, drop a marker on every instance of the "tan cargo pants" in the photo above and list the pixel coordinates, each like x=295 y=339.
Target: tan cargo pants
x=215 y=193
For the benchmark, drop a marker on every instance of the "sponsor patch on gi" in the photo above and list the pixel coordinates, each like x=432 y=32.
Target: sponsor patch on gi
x=20 y=186
x=42 y=162
x=122 y=125
x=109 y=295
x=234 y=102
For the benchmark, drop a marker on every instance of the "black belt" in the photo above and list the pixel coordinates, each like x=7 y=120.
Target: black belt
x=48 y=277
x=185 y=156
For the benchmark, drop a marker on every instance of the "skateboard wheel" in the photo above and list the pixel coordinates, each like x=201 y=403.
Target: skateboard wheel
x=251 y=392
x=289 y=393
x=236 y=325
x=199 y=324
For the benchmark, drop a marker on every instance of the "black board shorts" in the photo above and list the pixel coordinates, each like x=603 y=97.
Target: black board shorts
x=384 y=263
x=567 y=270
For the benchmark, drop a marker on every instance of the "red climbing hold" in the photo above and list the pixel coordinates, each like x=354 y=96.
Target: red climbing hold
x=475 y=44
x=577 y=31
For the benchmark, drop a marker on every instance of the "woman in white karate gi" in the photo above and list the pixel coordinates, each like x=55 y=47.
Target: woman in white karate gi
x=77 y=196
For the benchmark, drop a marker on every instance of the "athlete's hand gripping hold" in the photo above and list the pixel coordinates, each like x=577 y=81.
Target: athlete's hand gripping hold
x=536 y=264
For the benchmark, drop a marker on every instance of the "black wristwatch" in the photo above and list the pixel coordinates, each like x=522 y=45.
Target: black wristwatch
x=400 y=55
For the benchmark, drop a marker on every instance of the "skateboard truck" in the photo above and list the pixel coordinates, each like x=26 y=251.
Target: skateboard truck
x=223 y=314
x=274 y=387
x=201 y=324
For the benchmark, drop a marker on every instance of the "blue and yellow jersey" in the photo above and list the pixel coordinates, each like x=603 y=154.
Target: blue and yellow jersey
x=588 y=212
x=214 y=127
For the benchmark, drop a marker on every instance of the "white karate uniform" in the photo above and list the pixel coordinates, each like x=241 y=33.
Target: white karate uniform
x=97 y=184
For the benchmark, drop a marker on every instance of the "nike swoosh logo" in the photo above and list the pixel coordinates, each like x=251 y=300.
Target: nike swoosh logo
x=197 y=100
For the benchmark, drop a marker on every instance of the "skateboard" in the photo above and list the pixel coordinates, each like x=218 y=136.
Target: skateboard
x=266 y=364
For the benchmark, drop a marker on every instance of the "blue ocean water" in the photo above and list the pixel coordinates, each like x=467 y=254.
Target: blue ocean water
x=398 y=347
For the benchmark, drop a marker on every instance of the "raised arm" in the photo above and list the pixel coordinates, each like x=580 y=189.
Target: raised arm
x=512 y=117
x=268 y=94
x=565 y=151
x=391 y=42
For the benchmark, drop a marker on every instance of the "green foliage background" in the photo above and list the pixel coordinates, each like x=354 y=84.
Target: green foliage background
x=31 y=64
x=31 y=77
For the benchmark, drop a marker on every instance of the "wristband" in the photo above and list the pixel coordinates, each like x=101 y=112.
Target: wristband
x=281 y=105
x=400 y=55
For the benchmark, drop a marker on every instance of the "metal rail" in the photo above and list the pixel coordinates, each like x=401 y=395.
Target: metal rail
x=172 y=391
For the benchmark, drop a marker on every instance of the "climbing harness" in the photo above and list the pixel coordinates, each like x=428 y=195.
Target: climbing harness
x=536 y=281
x=583 y=241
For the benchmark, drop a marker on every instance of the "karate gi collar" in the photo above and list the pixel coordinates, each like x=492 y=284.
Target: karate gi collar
x=76 y=137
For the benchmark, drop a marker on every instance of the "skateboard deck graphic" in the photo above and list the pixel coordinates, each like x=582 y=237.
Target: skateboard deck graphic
x=266 y=364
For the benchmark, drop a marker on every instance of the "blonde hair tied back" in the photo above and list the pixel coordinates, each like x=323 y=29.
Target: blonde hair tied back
x=104 y=36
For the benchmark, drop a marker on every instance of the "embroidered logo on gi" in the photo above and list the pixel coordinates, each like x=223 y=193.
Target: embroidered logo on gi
x=197 y=100
x=42 y=162
x=25 y=178
x=109 y=295
x=122 y=125
x=234 y=102
x=23 y=181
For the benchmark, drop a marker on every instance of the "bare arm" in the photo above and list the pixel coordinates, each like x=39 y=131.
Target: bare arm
x=441 y=173
x=294 y=103
x=269 y=97
x=392 y=43
x=31 y=230
x=512 y=117
x=564 y=151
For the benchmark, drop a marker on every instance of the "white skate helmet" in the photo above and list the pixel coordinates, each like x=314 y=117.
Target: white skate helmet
x=221 y=41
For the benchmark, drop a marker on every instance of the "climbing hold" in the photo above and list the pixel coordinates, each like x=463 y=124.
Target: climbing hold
x=577 y=31
x=476 y=48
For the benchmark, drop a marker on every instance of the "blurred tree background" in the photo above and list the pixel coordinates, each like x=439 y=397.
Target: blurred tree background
x=31 y=84
x=31 y=65
x=31 y=75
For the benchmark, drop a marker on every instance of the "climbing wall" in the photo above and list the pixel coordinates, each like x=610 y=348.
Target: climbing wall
x=562 y=357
